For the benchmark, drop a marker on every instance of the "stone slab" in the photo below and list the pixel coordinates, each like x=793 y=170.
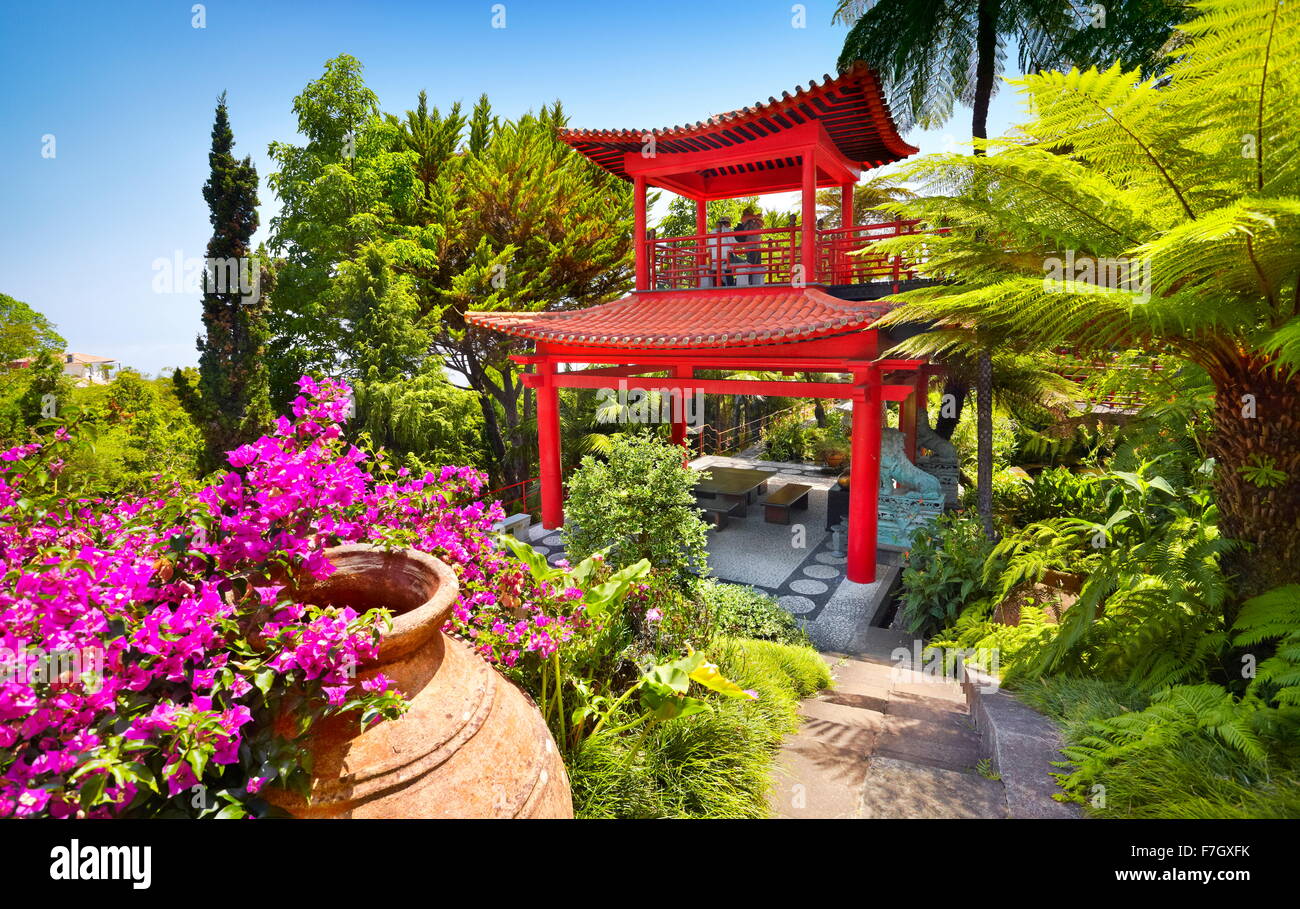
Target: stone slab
x=901 y=789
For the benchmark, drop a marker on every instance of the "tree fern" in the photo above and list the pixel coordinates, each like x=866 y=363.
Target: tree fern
x=1191 y=182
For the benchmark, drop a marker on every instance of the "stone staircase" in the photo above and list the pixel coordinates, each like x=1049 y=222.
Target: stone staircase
x=885 y=742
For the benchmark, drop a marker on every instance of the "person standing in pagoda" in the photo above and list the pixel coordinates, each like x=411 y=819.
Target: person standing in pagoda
x=752 y=273
x=720 y=274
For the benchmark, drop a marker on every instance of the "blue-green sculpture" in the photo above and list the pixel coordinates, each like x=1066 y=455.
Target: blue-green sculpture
x=910 y=498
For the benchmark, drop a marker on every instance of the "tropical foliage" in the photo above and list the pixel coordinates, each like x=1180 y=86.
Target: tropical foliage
x=1184 y=192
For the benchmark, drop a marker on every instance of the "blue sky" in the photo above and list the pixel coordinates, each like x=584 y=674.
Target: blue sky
x=127 y=91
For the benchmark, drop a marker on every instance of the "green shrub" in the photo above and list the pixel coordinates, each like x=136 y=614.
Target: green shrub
x=740 y=611
x=944 y=572
x=638 y=504
x=668 y=620
x=788 y=439
x=716 y=764
x=1058 y=492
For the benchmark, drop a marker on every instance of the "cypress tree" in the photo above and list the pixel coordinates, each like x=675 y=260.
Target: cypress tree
x=231 y=400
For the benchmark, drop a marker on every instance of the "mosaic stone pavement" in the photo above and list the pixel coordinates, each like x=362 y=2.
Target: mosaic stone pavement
x=808 y=581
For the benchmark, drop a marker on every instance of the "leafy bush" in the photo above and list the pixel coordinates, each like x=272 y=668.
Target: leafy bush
x=1195 y=752
x=1057 y=492
x=788 y=439
x=743 y=612
x=139 y=432
x=637 y=504
x=1152 y=605
x=944 y=572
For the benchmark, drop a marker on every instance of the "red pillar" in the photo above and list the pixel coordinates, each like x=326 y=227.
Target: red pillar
x=907 y=422
x=639 y=214
x=846 y=205
x=679 y=408
x=548 y=448
x=808 y=236
x=701 y=228
x=864 y=481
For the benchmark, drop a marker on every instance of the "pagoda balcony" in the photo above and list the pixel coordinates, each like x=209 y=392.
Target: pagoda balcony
x=842 y=257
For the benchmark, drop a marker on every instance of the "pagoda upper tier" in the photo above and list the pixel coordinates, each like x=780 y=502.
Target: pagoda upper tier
x=759 y=149
x=824 y=135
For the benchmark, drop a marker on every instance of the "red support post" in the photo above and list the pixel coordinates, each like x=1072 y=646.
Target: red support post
x=846 y=205
x=639 y=236
x=808 y=236
x=548 y=447
x=679 y=408
x=864 y=481
x=701 y=228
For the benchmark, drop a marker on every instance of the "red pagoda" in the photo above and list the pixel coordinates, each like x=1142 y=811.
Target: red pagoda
x=803 y=301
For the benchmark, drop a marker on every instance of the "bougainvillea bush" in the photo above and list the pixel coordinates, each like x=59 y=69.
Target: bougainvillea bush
x=148 y=645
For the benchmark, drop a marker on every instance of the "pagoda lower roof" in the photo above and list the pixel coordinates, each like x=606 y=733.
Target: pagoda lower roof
x=721 y=317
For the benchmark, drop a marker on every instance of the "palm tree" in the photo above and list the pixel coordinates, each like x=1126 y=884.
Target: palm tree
x=1155 y=215
x=867 y=199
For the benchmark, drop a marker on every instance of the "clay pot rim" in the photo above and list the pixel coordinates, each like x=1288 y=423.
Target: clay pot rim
x=412 y=628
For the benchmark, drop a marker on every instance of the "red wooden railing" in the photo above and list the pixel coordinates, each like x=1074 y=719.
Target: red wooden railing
x=522 y=496
x=706 y=260
x=1080 y=372
x=713 y=440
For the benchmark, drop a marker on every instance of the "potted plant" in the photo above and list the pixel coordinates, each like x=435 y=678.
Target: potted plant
x=834 y=448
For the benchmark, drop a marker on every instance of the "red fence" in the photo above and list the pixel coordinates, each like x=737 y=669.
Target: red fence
x=768 y=256
x=522 y=496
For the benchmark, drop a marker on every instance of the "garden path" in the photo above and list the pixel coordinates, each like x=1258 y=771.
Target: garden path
x=886 y=742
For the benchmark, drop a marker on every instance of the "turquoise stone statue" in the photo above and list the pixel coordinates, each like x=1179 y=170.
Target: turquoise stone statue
x=910 y=498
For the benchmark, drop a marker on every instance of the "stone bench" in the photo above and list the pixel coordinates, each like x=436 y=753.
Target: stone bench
x=719 y=512
x=776 y=507
x=516 y=525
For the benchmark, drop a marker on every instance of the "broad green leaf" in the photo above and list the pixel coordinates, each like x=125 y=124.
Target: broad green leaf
x=708 y=675
x=537 y=565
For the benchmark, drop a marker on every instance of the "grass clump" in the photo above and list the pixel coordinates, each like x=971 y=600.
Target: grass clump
x=715 y=764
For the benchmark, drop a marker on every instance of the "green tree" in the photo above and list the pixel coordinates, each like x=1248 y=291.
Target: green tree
x=230 y=402
x=24 y=332
x=932 y=56
x=387 y=241
x=1175 y=201
x=640 y=502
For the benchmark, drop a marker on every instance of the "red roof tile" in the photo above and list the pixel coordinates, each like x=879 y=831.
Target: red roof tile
x=723 y=317
x=850 y=106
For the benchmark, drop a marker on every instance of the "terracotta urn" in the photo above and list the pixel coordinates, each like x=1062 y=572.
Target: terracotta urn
x=472 y=745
